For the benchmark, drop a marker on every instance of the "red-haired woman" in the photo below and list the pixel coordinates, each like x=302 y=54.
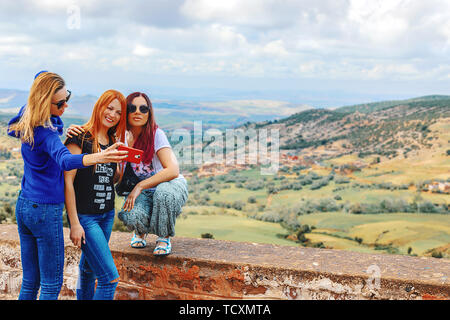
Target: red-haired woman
x=90 y=198
x=154 y=200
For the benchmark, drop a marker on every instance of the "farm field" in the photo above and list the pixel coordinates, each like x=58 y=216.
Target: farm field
x=234 y=228
x=379 y=232
x=414 y=233
x=399 y=233
x=400 y=230
x=361 y=201
x=347 y=193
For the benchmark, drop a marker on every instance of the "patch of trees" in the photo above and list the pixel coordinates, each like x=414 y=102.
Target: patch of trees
x=288 y=215
x=5 y=154
x=7 y=212
x=300 y=143
x=306 y=116
x=392 y=205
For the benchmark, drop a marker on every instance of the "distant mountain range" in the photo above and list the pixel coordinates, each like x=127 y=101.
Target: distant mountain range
x=301 y=126
x=177 y=114
x=374 y=106
x=388 y=128
x=12 y=99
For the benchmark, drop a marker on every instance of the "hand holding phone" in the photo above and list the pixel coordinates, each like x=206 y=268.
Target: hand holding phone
x=134 y=155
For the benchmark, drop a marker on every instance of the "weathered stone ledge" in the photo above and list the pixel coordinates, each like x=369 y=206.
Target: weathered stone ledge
x=214 y=269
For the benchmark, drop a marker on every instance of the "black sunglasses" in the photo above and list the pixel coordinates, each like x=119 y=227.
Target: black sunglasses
x=143 y=109
x=61 y=103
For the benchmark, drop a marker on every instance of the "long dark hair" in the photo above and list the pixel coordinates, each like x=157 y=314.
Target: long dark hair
x=146 y=139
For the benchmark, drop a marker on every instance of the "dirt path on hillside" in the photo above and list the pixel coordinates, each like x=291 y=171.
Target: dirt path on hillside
x=269 y=201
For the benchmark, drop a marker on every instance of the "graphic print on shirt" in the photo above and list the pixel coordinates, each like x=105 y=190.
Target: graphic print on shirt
x=142 y=170
x=102 y=189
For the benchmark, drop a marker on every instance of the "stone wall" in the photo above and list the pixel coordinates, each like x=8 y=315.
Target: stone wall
x=213 y=269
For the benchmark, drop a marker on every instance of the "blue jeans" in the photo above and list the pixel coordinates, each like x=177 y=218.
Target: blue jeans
x=42 y=248
x=96 y=259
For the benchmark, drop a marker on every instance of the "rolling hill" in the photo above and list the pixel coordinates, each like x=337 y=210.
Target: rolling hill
x=385 y=206
x=387 y=129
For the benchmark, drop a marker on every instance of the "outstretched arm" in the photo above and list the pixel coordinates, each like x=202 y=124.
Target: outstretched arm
x=67 y=161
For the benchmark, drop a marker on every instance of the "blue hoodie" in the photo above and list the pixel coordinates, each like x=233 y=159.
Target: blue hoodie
x=45 y=163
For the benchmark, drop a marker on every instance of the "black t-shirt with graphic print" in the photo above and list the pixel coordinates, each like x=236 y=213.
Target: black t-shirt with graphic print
x=94 y=186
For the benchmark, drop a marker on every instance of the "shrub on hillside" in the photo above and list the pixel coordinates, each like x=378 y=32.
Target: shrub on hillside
x=207 y=235
x=254 y=185
x=238 y=205
x=393 y=205
x=312 y=175
x=437 y=254
x=327 y=205
x=341 y=180
x=268 y=216
x=319 y=183
x=290 y=222
x=321 y=205
x=305 y=181
x=296 y=186
x=429 y=207
x=272 y=189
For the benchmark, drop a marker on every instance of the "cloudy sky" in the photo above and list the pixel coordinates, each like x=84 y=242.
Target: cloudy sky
x=324 y=52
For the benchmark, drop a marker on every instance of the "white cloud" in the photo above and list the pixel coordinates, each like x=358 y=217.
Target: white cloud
x=123 y=62
x=379 y=21
x=80 y=53
x=328 y=39
x=14 y=50
x=234 y=12
x=275 y=48
x=52 y=5
x=143 y=51
x=398 y=70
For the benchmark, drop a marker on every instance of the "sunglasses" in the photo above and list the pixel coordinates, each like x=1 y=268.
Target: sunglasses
x=61 y=103
x=143 y=109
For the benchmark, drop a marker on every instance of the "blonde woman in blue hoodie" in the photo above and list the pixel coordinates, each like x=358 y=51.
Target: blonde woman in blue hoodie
x=39 y=207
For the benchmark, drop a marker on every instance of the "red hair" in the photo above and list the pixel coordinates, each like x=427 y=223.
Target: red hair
x=146 y=140
x=116 y=133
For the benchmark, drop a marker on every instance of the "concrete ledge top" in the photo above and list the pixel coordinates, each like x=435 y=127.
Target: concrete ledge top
x=424 y=270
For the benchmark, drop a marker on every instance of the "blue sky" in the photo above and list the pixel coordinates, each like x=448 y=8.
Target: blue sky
x=324 y=52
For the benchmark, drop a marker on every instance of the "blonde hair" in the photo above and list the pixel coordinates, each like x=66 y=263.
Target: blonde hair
x=37 y=111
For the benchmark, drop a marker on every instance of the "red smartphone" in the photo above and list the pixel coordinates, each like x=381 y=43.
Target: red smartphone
x=134 y=155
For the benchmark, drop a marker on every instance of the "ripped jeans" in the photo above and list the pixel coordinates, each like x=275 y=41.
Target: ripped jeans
x=96 y=259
